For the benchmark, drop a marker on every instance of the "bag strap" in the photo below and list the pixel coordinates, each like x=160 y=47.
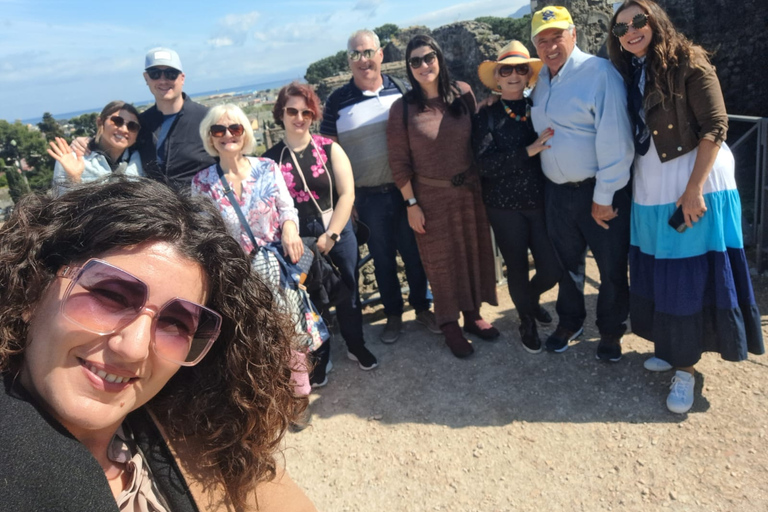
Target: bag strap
x=301 y=174
x=236 y=205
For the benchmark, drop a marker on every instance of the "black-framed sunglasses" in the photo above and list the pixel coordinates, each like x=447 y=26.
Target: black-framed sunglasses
x=428 y=59
x=132 y=126
x=169 y=73
x=638 y=21
x=355 y=55
x=293 y=112
x=507 y=69
x=104 y=299
x=218 y=130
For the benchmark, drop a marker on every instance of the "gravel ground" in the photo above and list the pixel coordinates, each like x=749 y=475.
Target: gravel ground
x=505 y=430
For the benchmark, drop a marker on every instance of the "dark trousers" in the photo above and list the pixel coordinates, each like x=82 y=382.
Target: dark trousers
x=572 y=229
x=345 y=256
x=515 y=232
x=382 y=210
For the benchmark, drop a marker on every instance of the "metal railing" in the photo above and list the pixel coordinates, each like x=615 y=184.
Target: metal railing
x=759 y=133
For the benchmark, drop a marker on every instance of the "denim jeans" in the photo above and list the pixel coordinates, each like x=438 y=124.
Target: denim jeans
x=345 y=256
x=385 y=214
x=572 y=229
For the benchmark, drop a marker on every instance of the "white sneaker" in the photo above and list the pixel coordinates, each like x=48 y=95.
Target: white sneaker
x=680 y=397
x=655 y=364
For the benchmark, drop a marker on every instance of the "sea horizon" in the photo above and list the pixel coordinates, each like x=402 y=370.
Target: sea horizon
x=263 y=86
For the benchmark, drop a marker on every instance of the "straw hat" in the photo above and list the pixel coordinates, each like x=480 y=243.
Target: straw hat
x=513 y=53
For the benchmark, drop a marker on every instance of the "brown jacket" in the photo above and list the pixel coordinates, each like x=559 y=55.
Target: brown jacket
x=695 y=112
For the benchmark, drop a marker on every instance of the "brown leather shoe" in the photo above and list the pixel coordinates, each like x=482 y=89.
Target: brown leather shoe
x=459 y=345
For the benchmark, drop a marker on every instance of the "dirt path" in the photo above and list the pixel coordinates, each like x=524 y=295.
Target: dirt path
x=506 y=430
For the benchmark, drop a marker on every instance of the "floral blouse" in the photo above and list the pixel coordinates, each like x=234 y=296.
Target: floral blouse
x=265 y=202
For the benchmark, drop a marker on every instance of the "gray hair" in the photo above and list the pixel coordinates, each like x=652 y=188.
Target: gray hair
x=363 y=33
x=236 y=114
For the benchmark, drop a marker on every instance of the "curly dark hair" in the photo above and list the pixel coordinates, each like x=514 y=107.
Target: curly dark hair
x=447 y=89
x=667 y=50
x=238 y=401
x=301 y=90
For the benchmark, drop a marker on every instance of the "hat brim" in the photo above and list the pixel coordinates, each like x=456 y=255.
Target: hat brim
x=562 y=24
x=486 y=70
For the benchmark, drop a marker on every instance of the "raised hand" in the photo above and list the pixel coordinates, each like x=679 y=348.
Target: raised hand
x=71 y=161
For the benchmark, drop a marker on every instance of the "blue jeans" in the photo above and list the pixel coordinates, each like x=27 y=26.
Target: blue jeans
x=572 y=229
x=383 y=211
x=345 y=256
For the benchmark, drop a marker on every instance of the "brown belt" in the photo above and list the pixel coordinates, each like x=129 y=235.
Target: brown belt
x=435 y=182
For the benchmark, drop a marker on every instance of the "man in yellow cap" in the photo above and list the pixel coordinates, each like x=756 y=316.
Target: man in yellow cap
x=582 y=97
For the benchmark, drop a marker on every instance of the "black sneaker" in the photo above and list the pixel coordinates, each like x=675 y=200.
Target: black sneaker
x=543 y=316
x=558 y=340
x=364 y=358
x=529 y=335
x=609 y=349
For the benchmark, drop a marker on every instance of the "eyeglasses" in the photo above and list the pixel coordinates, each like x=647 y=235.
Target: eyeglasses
x=293 y=112
x=218 y=130
x=355 y=55
x=103 y=299
x=428 y=59
x=132 y=126
x=169 y=73
x=638 y=21
x=508 y=69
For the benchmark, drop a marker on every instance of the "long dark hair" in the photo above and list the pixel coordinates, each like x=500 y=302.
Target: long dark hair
x=238 y=401
x=447 y=89
x=667 y=50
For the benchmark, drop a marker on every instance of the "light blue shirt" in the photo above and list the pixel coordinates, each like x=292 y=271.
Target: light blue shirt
x=586 y=105
x=96 y=169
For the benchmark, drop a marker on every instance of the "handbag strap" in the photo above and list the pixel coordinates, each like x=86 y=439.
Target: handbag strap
x=236 y=205
x=301 y=174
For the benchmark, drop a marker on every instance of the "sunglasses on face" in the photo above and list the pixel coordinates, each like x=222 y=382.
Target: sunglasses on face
x=293 y=112
x=428 y=59
x=103 y=299
x=638 y=22
x=218 y=130
x=355 y=55
x=508 y=69
x=132 y=126
x=169 y=73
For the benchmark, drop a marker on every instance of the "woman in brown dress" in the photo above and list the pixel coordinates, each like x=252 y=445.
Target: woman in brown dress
x=430 y=153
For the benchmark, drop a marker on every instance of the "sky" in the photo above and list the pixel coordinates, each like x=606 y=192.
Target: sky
x=63 y=56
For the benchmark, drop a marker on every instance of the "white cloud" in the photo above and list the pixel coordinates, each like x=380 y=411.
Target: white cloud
x=367 y=6
x=219 y=42
x=233 y=29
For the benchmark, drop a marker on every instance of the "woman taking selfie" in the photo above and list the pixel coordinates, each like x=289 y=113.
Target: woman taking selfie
x=144 y=367
x=110 y=151
x=691 y=291
x=430 y=153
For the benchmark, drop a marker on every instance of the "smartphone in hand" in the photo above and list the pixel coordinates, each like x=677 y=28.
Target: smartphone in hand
x=677 y=220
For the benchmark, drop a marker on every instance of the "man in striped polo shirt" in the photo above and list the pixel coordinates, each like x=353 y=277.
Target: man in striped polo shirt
x=356 y=117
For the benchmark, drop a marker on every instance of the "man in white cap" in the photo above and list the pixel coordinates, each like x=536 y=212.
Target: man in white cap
x=583 y=98
x=169 y=141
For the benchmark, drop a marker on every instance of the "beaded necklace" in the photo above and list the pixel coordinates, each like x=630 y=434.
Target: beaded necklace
x=515 y=116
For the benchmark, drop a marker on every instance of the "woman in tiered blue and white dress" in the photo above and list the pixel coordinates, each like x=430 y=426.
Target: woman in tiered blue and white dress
x=690 y=287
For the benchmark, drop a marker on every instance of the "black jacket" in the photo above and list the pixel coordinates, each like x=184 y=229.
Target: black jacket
x=184 y=152
x=44 y=468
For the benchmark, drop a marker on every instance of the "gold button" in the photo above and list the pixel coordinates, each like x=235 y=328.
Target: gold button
x=670 y=127
x=679 y=148
x=663 y=155
x=655 y=132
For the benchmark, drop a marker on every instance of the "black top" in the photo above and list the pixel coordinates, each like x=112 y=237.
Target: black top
x=510 y=178
x=184 y=151
x=311 y=163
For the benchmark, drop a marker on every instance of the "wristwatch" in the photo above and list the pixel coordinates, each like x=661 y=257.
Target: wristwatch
x=333 y=236
x=410 y=202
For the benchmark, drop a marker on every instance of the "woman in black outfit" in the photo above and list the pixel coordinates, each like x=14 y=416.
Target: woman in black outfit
x=507 y=148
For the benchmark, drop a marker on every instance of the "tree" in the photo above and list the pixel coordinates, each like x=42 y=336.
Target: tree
x=50 y=127
x=329 y=66
x=511 y=28
x=385 y=32
x=85 y=125
x=20 y=143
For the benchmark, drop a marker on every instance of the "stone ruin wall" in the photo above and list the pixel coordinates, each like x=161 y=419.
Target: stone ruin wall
x=734 y=32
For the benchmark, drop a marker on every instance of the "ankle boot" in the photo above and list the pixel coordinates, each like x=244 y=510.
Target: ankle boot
x=474 y=324
x=458 y=344
x=529 y=334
